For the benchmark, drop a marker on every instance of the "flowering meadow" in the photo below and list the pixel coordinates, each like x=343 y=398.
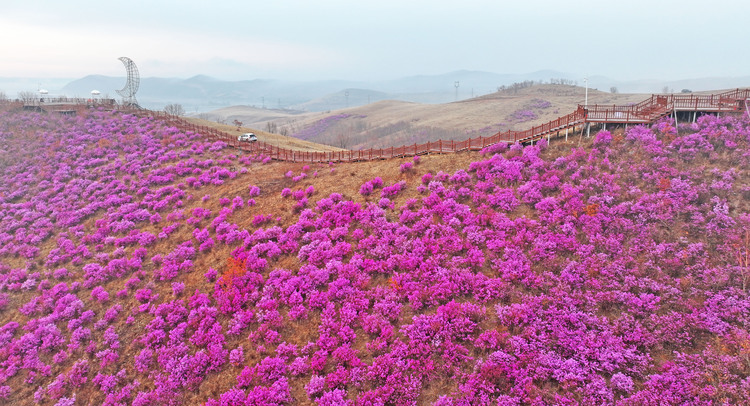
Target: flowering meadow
x=143 y=265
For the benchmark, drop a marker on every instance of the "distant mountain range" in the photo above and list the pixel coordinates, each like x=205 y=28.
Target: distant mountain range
x=203 y=93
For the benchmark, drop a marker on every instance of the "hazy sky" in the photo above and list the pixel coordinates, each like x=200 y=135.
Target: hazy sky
x=374 y=39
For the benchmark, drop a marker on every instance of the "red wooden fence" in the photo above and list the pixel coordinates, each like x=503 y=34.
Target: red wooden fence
x=647 y=111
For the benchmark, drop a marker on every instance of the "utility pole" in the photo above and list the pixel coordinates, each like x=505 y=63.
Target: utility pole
x=586 y=100
x=586 y=107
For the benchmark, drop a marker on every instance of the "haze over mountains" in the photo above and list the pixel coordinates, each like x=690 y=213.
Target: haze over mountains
x=203 y=93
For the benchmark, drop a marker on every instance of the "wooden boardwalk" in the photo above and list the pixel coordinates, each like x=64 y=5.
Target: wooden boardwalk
x=645 y=112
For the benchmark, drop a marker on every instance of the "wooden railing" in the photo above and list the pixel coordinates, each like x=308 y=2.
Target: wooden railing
x=285 y=154
x=658 y=106
x=644 y=112
x=439 y=146
x=647 y=111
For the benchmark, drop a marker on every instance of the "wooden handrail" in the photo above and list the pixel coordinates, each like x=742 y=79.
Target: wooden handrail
x=647 y=111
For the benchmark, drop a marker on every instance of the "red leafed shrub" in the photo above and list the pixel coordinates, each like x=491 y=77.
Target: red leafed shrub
x=235 y=268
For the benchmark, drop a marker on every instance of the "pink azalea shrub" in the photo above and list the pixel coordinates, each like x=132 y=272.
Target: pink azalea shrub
x=614 y=274
x=406 y=167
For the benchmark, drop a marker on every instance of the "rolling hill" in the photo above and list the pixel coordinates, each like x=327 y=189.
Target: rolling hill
x=393 y=123
x=143 y=265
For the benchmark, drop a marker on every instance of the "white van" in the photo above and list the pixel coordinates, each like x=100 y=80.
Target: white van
x=248 y=137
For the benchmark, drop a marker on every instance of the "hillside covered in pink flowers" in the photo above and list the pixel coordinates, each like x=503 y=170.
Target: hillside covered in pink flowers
x=140 y=265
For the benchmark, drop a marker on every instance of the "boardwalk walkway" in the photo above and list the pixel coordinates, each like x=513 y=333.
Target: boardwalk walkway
x=645 y=112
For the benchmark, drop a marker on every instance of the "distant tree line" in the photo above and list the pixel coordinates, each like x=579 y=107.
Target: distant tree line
x=271 y=127
x=174 y=109
x=515 y=87
x=562 y=81
x=28 y=96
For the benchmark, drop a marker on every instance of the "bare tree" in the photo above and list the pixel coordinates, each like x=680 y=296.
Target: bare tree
x=27 y=96
x=238 y=123
x=515 y=87
x=613 y=90
x=343 y=139
x=666 y=90
x=289 y=128
x=3 y=97
x=174 y=109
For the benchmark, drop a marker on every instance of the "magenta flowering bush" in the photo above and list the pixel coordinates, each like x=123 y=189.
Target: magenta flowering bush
x=524 y=115
x=494 y=149
x=393 y=190
x=615 y=274
x=540 y=104
x=368 y=187
x=406 y=167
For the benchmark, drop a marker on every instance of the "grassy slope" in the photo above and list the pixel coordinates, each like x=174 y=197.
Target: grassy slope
x=269 y=138
x=345 y=179
x=394 y=123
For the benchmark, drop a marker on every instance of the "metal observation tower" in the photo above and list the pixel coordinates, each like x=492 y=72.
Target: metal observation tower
x=131 y=87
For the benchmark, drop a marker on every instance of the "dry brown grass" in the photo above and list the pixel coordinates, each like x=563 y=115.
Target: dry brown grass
x=268 y=138
x=344 y=178
x=463 y=119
